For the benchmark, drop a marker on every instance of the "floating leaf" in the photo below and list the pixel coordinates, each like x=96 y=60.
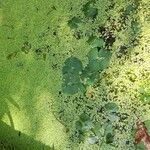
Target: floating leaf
x=135 y=27
x=96 y=42
x=70 y=89
x=129 y=9
x=69 y=79
x=94 y=65
x=98 y=129
x=104 y=63
x=109 y=138
x=83 y=125
x=84 y=117
x=111 y=107
x=88 y=75
x=73 y=23
x=72 y=65
x=86 y=122
x=71 y=76
x=98 y=60
x=93 y=54
x=87 y=125
x=78 y=125
x=105 y=53
x=105 y=56
x=90 y=11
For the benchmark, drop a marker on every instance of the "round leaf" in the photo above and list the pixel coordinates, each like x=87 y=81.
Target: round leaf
x=91 y=12
x=72 y=64
x=96 y=42
x=94 y=65
x=93 y=54
x=73 y=23
x=111 y=107
x=109 y=138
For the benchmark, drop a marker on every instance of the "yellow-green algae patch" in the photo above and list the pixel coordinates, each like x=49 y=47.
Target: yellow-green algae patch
x=36 y=40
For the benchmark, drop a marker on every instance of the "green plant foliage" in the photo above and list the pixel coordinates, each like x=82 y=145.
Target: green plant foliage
x=76 y=78
x=145 y=93
x=98 y=129
x=99 y=62
x=129 y=9
x=135 y=27
x=93 y=54
x=109 y=132
x=96 y=42
x=111 y=107
x=105 y=56
x=74 y=74
x=73 y=23
x=71 y=76
x=90 y=11
x=109 y=138
x=84 y=124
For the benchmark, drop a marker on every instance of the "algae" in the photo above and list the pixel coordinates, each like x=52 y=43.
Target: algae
x=74 y=74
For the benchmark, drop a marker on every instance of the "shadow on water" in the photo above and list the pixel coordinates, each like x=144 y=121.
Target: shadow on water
x=4 y=108
x=11 y=139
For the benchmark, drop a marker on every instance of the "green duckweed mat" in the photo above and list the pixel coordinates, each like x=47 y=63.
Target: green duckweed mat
x=74 y=75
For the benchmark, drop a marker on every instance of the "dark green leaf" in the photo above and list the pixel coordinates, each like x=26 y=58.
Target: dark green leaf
x=71 y=76
x=73 y=23
x=109 y=138
x=79 y=125
x=129 y=9
x=97 y=129
x=95 y=65
x=105 y=53
x=84 y=117
x=111 y=107
x=72 y=64
x=135 y=27
x=72 y=88
x=96 y=42
x=88 y=75
x=93 y=54
x=105 y=56
x=104 y=64
x=90 y=11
